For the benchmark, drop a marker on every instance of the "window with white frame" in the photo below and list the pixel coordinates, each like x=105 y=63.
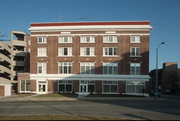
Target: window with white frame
x=110 y=68
x=110 y=86
x=110 y=51
x=65 y=51
x=135 y=87
x=110 y=39
x=87 y=51
x=87 y=39
x=65 y=39
x=135 y=68
x=135 y=51
x=25 y=85
x=65 y=86
x=41 y=67
x=41 y=52
x=135 y=39
x=87 y=68
x=41 y=40
x=65 y=67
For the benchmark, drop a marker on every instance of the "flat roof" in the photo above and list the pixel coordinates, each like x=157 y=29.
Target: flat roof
x=91 y=23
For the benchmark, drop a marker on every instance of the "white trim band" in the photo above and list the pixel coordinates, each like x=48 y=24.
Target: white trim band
x=103 y=77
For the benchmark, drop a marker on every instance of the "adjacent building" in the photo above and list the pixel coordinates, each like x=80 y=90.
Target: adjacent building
x=5 y=69
x=168 y=78
x=14 y=59
x=88 y=57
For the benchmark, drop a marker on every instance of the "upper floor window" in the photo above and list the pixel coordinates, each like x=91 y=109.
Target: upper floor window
x=135 y=69
x=110 y=68
x=42 y=40
x=87 y=68
x=65 y=51
x=87 y=39
x=135 y=51
x=41 y=67
x=110 y=39
x=87 y=51
x=65 y=39
x=65 y=68
x=110 y=51
x=135 y=39
x=41 y=52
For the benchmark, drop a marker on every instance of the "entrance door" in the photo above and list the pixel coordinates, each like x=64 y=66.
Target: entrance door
x=83 y=89
x=42 y=87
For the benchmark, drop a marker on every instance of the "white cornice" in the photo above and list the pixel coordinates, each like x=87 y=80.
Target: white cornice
x=97 y=27
x=87 y=34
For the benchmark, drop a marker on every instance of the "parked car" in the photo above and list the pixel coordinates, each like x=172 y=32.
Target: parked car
x=154 y=93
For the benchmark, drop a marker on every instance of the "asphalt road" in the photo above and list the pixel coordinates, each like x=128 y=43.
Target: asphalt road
x=135 y=108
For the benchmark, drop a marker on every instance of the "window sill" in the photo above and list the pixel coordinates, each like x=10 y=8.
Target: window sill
x=64 y=56
x=87 y=56
x=110 y=56
x=135 y=42
x=41 y=43
x=135 y=56
x=88 y=42
x=109 y=42
x=64 y=42
x=41 y=56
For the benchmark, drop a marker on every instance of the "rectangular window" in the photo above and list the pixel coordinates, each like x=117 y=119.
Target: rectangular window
x=87 y=68
x=135 y=87
x=65 y=39
x=87 y=39
x=110 y=39
x=135 y=39
x=135 y=69
x=135 y=51
x=42 y=40
x=25 y=86
x=87 y=51
x=65 y=68
x=110 y=68
x=110 y=86
x=41 y=67
x=41 y=52
x=65 y=51
x=65 y=86
x=110 y=51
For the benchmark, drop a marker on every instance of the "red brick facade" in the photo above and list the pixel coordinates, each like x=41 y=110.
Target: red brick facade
x=123 y=58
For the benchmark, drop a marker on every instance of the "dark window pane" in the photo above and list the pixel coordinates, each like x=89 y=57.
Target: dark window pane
x=113 y=88
x=110 y=51
x=90 y=88
x=22 y=85
x=68 y=88
x=61 y=88
x=106 y=88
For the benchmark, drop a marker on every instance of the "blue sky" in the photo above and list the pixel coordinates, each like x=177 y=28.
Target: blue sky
x=164 y=16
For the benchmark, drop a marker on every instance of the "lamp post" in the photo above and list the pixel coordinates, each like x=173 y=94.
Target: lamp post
x=157 y=67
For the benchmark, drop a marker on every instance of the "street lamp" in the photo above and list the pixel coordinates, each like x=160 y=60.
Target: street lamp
x=157 y=67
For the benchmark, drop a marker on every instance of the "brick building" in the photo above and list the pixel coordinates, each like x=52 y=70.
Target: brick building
x=88 y=57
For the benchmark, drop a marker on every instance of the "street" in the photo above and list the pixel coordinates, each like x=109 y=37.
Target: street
x=130 y=107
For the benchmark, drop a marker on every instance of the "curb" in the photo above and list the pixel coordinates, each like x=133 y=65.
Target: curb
x=37 y=99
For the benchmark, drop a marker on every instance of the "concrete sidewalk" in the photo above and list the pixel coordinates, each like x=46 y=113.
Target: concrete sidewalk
x=33 y=98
